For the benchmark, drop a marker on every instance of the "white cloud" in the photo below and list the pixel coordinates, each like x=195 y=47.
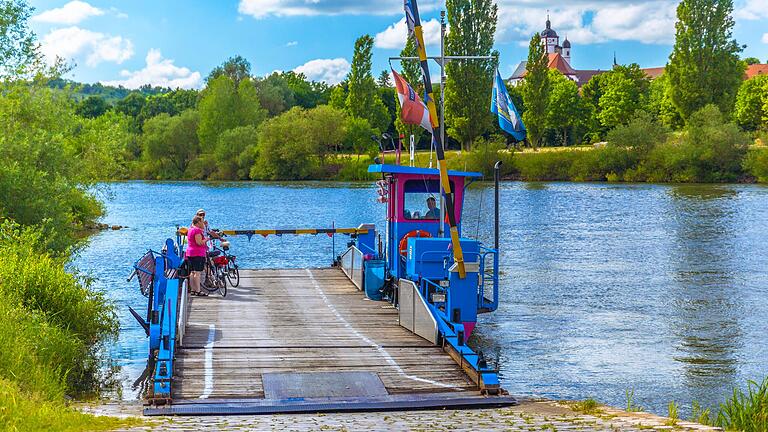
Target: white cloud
x=158 y=72
x=765 y=38
x=264 y=8
x=332 y=71
x=393 y=37
x=591 y=21
x=752 y=10
x=74 y=43
x=291 y=43
x=71 y=13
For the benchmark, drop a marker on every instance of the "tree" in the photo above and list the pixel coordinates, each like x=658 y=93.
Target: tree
x=384 y=80
x=468 y=82
x=308 y=94
x=751 y=108
x=564 y=110
x=660 y=104
x=224 y=106
x=325 y=126
x=236 y=68
x=338 y=98
x=275 y=95
x=232 y=144
x=19 y=51
x=285 y=148
x=358 y=135
x=92 y=107
x=170 y=144
x=131 y=105
x=363 y=100
x=536 y=88
x=751 y=60
x=704 y=67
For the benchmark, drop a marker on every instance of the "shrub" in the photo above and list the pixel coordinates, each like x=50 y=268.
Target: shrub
x=640 y=135
x=756 y=164
x=709 y=150
x=60 y=316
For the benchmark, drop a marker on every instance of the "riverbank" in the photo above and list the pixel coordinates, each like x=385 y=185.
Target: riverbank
x=530 y=415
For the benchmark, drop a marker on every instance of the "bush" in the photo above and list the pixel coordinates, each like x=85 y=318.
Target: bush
x=756 y=164
x=484 y=155
x=60 y=317
x=640 y=135
x=709 y=150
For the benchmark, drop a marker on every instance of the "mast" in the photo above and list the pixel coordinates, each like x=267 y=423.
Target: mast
x=412 y=9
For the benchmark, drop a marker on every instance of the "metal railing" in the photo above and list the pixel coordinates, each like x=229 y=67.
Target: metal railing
x=352 y=265
x=183 y=314
x=488 y=288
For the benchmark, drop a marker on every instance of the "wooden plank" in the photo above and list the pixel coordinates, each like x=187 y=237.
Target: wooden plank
x=308 y=321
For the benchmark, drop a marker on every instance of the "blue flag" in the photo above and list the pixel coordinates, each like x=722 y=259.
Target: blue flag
x=502 y=106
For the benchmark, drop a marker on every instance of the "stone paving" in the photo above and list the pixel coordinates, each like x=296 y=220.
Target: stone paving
x=530 y=415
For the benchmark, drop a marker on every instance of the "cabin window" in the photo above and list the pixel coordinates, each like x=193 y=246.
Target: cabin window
x=422 y=200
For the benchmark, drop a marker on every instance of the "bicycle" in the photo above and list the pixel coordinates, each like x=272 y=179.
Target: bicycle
x=232 y=269
x=215 y=276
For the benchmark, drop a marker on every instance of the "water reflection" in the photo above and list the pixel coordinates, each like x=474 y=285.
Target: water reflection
x=704 y=310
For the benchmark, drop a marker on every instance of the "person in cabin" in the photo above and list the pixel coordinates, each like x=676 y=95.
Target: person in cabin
x=433 y=212
x=197 y=250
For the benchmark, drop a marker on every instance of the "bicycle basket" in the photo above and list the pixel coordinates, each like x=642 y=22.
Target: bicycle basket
x=220 y=261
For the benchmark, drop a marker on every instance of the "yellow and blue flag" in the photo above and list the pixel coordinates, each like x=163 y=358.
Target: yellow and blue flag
x=501 y=105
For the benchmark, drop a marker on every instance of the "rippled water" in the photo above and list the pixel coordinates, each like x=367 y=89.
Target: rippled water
x=605 y=288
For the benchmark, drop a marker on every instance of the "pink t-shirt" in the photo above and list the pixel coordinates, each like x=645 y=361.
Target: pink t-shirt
x=193 y=249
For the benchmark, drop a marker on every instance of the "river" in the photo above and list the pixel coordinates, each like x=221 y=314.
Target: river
x=659 y=290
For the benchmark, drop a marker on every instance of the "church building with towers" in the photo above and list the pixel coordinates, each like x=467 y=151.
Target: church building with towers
x=552 y=42
x=559 y=57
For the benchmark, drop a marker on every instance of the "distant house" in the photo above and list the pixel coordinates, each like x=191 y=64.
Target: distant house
x=756 y=69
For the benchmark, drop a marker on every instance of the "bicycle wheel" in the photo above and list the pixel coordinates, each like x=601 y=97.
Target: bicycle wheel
x=210 y=278
x=233 y=274
x=222 y=281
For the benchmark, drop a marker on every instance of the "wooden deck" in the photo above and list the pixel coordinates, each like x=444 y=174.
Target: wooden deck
x=308 y=321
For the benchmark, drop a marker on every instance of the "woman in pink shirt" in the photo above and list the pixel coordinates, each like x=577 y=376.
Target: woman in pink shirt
x=197 y=250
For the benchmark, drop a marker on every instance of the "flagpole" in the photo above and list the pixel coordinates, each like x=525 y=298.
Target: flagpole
x=441 y=227
x=458 y=254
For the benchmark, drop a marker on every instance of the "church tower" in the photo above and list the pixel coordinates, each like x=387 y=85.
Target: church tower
x=567 y=50
x=550 y=38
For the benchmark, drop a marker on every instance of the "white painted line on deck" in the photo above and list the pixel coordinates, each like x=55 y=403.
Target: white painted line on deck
x=383 y=352
x=209 y=362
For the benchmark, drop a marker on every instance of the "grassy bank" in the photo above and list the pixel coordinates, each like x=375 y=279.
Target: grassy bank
x=53 y=327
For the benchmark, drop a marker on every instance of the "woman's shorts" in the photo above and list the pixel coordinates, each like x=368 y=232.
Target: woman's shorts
x=196 y=263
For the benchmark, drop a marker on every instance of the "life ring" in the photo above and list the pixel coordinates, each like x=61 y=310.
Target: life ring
x=404 y=241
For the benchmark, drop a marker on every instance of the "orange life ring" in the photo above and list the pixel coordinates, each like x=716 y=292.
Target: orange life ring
x=404 y=241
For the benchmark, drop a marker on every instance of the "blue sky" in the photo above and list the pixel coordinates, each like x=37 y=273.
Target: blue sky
x=176 y=43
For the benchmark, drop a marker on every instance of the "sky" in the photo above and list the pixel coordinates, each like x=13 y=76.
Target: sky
x=176 y=43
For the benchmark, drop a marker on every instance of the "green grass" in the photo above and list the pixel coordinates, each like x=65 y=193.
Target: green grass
x=672 y=414
x=746 y=411
x=23 y=411
x=53 y=325
x=631 y=405
x=588 y=406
